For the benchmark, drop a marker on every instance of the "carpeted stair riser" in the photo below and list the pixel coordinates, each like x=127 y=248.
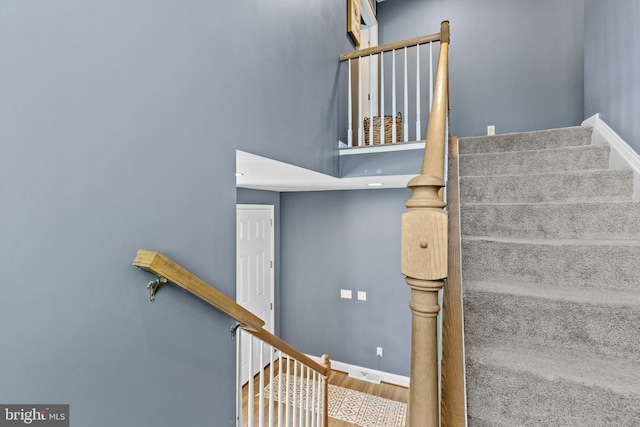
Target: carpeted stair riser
x=570 y=263
x=607 y=221
x=539 y=140
x=605 y=328
x=535 y=162
x=507 y=397
x=600 y=185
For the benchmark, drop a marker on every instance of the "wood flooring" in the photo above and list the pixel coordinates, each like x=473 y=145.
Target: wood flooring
x=384 y=390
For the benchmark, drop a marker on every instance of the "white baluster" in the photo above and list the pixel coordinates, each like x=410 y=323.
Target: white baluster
x=371 y=99
x=239 y=336
x=287 y=411
x=382 y=141
x=294 y=391
x=271 y=385
x=321 y=402
x=350 y=112
x=360 y=135
x=280 y=361
x=418 y=130
x=250 y=396
x=405 y=126
x=261 y=391
x=308 y=398
x=301 y=404
x=394 y=132
x=314 y=407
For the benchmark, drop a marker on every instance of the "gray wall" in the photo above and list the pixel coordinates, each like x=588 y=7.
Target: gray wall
x=516 y=64
x=120 y=121
x=612 y=65
x=346 y=240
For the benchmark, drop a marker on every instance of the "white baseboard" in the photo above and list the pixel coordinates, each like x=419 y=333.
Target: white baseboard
x=384 y=376
x=622 y=155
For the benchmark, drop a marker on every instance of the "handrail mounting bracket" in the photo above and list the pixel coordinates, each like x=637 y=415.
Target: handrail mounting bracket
x=154 y=285
x=234 y=328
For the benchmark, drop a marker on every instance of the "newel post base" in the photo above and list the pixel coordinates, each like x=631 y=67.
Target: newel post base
x=424 y=263
x=424 y=353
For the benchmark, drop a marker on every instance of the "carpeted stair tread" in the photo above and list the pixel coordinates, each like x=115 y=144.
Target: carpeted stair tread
x=535 y=161
x=576 y=186
x=554 y=138
x=540 y=386
x=583 y=220
x=551 y=282
x=594 y=320
x=620 y=376
x=576 y=263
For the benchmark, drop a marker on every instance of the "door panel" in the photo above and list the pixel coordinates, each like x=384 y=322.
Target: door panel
x=254 y=274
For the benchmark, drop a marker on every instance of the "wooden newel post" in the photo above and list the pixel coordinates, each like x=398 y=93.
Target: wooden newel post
x=325 y=399
x=424 y=255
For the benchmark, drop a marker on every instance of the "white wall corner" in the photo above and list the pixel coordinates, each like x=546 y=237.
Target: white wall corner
x=622 y=155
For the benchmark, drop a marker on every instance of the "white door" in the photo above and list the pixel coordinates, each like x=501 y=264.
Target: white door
x=254 y=274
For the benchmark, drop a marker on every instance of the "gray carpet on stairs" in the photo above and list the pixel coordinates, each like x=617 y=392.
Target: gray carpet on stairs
x=551 y=277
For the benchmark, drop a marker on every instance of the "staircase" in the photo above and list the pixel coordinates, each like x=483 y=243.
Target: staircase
x=551 y=272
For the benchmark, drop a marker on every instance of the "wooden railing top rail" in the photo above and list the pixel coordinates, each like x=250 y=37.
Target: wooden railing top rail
x=161 y=265
x=387 y=47
x=287 y=348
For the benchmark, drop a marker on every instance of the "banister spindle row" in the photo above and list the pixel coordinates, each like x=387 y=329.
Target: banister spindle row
x=377 y=107
x=299 y=391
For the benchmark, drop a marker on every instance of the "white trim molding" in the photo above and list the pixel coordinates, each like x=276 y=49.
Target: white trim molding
x=622 y=155
x=386 y=377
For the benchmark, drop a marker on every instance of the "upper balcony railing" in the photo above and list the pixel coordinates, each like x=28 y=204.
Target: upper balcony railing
x=394 y=84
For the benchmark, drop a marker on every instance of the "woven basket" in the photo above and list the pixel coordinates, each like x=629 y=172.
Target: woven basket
x=388 y=129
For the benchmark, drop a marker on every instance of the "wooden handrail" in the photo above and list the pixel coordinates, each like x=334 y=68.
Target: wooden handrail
x=287 y=348
x=161 y=265
x=424 y=253
x=387 y=47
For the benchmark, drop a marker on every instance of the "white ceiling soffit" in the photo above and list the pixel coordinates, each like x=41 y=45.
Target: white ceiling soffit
x=261 y=173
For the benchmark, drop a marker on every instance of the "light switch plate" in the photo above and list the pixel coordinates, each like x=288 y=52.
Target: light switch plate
x=346 y=293
x=362 y=296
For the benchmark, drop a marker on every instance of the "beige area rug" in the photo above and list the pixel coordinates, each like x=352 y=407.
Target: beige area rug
x=353 y=406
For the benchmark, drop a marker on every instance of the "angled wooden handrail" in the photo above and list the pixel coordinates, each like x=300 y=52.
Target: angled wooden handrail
x=287 y=348
x=387 y=47
x=159 y=264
